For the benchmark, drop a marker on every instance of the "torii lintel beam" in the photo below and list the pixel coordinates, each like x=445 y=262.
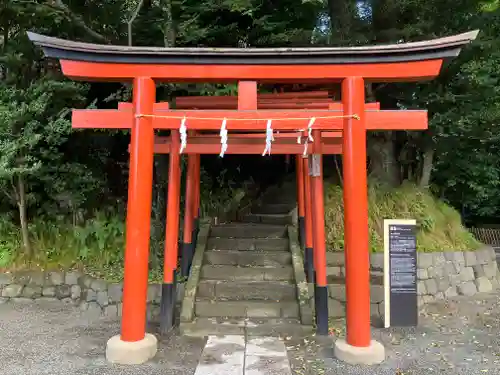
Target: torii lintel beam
x=250 y=120
x=393 y=62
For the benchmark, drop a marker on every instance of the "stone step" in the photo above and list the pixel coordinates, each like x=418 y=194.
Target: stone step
x=247 y=290
x=244 y=244
x=247 y=230
x=246 y=309
x=287 y=189
x=274 y=208
x=281 y=195
x=279 y=219
x=201 y=327
x=277 y=327
x=233 y=273
x=248 y=258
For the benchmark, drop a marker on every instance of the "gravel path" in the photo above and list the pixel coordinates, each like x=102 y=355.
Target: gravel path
x=457 y=337
x=54 y=338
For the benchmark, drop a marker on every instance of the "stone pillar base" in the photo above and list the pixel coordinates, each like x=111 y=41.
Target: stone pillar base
x=353 y=355
x=131 y=353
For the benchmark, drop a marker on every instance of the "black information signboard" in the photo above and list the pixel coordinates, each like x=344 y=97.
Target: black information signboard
x=402 y=275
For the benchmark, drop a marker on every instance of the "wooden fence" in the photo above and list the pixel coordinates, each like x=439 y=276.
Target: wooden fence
x=488 y=236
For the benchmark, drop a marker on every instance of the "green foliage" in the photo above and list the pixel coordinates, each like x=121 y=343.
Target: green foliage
x=34 y=125
x=439 y=225
x=490 y=5
x=468 y=165
x=216 y=193
x=66 y=175
x=97 y=246
x=462 y=102
x=9 y=241
x=245 y=23
x=102 y=234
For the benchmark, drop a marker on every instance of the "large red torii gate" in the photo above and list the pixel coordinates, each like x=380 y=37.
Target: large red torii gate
x=351 y=66
x=251 y=143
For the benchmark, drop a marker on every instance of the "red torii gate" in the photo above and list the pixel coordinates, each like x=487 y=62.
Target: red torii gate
x=351 y=66
x=251 y=143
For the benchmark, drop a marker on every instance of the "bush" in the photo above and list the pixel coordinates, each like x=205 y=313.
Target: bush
x=9 y=242
x=439 y=226
x=97 y=246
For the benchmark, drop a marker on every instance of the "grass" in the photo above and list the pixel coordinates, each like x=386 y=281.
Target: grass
x=439 y=226
x=96 y=247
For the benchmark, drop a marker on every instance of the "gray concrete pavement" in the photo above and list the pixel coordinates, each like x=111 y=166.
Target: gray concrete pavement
x=53 y=338
x=458 y=337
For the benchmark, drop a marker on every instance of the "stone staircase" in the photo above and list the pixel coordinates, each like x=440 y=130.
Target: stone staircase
x=246 y=283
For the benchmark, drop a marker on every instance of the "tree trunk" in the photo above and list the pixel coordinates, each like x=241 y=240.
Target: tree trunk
x=340 y=13
x=339 y=172
x=427 y=164
x=169 y=35
x=23 y=217
x=4 y=48
x=77 y=20
x=383 y=163
x=385 y=20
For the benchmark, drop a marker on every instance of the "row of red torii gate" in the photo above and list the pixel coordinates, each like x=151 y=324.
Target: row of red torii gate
x=307 y=125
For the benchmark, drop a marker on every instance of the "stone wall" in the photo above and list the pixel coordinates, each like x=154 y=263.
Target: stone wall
x=90 y=294
x=440 y=275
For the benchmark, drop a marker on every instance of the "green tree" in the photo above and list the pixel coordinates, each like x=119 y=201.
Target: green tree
x=467 y=130
x=33 y=125
x=34 y=114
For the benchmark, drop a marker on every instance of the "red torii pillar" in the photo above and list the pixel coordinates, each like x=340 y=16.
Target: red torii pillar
x=319 y=238
x=139 y=201
x=300 y=181
x=299 y=171
x=357 y=260
x=168 y=292
x=196 y=203
x=192 y=200
x=189 y=216
x=308 y=223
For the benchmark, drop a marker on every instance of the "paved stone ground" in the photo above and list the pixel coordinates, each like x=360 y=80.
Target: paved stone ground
x=54 y=339
x=458 y=337
x=240 y=355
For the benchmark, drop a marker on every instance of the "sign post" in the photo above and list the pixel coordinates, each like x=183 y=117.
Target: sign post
x=400 y=273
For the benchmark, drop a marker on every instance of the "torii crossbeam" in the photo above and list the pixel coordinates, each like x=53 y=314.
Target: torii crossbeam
x=291 y=120
x=351 y=66
x=242 y=144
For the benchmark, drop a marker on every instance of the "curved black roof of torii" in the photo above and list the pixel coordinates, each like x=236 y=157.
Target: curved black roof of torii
x=441 y=48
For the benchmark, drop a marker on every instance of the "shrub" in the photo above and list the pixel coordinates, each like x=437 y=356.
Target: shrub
x=439 y=226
